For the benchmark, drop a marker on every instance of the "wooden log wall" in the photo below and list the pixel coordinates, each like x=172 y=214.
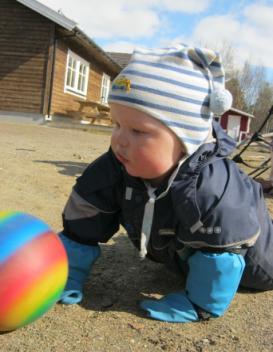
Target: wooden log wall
x=24 y=46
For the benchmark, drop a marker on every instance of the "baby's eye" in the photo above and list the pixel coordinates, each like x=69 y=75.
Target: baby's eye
x=136 y=131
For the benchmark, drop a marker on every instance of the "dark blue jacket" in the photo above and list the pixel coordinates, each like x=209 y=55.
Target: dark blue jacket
x=211 y=205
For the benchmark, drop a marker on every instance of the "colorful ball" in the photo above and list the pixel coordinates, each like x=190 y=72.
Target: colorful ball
x=33 y=269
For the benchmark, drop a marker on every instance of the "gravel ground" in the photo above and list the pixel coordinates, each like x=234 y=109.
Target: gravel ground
x=38 y=166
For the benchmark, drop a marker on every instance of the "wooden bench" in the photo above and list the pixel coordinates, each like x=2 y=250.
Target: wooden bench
x=94 y=112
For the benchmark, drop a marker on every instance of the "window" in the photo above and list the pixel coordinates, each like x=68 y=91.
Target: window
x=77 y=73
x=105 y=87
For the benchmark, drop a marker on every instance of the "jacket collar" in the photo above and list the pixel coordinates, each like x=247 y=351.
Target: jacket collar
x=210 y=152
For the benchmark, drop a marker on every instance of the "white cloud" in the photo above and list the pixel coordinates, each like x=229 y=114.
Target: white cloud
x=120 y=47
x=177 y=40
x=186 y=6
x=123 y=18
x=123 y=23
x=260 y=16
x=248 y=29
x=216 y=28
x=250 y=34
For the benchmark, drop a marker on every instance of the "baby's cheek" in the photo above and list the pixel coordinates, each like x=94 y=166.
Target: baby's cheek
x=161 y=167
x=157 y=165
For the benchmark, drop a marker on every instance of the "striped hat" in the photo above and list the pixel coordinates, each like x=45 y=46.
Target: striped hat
x=181 y=86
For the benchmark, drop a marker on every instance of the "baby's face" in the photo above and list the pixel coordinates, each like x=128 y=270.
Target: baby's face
x=146 y=147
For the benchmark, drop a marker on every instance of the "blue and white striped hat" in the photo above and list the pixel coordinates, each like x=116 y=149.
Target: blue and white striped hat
x=181 y=86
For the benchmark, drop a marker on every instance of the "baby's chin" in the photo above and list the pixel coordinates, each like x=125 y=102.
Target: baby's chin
x=153 y=178
x=134 y=173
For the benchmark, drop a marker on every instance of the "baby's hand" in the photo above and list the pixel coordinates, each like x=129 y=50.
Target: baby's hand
x=80 y=259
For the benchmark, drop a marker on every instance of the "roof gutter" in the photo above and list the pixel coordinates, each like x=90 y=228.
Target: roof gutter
x=49 y=13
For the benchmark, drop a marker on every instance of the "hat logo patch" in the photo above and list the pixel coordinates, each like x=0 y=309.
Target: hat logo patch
x=122 y=83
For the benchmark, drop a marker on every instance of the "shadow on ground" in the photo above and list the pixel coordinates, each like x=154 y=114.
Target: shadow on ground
x=119 y=279
x=68 y=168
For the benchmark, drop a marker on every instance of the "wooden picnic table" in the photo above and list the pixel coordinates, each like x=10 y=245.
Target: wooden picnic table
x=94 y=111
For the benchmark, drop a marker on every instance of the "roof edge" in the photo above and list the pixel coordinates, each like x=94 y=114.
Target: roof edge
x=81 y=33
x=49 y=13
x=242 y=112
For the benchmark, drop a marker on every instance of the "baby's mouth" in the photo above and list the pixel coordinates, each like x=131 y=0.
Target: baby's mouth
x=121 y=158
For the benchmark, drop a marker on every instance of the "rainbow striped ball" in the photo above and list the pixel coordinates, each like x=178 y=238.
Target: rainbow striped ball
x=33 y=269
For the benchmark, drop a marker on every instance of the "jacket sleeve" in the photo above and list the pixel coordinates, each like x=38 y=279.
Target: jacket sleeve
x=92 y=212
x=221 y=209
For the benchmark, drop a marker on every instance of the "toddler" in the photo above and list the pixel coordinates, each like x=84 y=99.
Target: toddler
x=168 y=181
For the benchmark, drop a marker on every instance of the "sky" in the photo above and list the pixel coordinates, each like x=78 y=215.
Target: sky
x=121 y=25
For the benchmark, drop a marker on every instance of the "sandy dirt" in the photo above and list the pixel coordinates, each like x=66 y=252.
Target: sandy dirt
x=38 y=166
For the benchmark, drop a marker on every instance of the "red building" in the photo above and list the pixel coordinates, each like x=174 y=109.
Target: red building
x=236 y=123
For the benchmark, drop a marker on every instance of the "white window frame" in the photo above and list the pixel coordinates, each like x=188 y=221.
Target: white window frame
x=72 y=87
x=105 y=88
